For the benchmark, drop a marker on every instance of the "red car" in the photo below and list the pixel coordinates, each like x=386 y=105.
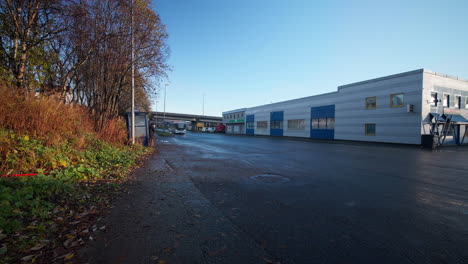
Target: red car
x=220 y=128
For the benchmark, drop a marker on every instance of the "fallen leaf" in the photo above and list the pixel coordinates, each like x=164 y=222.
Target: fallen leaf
x=162 y=261
x=38 y=247
x=70 y=236
x=2 y=236
x=77 y=243
x=68 y=242
x=69 y=256
x=27 y=258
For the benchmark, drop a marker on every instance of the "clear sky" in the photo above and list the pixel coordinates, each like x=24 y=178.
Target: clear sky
x=243 y=53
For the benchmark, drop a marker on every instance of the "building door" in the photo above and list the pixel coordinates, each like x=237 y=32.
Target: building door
x=276 y=123
x=322 y=122
x=250 y=123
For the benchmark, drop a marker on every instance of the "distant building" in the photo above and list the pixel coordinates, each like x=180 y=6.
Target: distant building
x=400 y=108
x=234 y=121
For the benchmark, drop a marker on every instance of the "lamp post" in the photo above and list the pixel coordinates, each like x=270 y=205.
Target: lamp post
x=133 y=78
x=156 y=116
x=165 y=91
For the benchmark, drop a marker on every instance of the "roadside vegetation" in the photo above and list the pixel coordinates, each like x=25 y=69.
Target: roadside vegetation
x=47 y=216
x=65 y=81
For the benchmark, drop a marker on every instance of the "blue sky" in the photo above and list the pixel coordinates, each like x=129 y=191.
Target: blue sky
x=243 y=53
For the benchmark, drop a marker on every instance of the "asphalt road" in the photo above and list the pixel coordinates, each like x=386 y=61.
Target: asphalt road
x=209 y=198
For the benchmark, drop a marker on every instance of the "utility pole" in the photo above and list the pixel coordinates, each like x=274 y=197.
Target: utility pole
x=165 y=91
x=133 y=78
x=156 y=110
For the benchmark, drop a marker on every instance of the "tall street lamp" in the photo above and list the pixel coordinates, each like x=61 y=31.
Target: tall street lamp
x=165 y=92
x=133 y=78
x=156 y=115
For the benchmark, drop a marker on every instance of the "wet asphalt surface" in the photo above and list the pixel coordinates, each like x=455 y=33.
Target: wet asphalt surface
x=209 y=198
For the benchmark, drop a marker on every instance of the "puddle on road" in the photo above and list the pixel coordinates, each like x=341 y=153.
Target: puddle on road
x=269 y=178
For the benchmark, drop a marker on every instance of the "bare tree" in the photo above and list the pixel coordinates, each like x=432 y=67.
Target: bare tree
x=81 y=50
x=26 y=25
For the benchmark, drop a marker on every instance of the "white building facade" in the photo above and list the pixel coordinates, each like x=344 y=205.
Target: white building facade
x=393 y=109
x=234 y=121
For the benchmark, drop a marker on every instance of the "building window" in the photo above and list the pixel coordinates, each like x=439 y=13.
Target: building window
x=250 y=125
x=262 y=124
x=371 y=102
x=397 y=100
x=296 y=124
x=434 y=99
x=330 y=123
x=446 y=101
x=457 y=101
x=323 y=123
x=315 y=123
x=276 y=124
x=370 y=129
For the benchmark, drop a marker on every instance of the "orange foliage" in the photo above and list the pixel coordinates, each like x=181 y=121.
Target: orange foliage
x=53 y=121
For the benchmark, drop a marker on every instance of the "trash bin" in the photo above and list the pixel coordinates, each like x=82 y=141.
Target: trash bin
x=429 y=141
x=141 y=127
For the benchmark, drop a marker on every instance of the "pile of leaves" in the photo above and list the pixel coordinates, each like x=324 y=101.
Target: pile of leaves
x=44 y=218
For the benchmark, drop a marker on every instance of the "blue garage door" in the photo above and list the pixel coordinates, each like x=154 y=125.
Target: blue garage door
x=250 y=124
x=322 y=122
x=276 y=123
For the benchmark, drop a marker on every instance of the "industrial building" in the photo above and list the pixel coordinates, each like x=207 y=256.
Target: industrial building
x=405 y=108
x=234 y=121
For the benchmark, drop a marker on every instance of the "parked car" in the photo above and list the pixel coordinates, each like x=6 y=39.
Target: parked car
x=210 y=129
x=220 y=128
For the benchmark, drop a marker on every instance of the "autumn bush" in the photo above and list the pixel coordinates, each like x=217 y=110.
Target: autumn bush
x=59 y=143
x=52 y=121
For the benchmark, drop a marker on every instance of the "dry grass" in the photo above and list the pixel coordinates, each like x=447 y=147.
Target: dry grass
x=53 y=121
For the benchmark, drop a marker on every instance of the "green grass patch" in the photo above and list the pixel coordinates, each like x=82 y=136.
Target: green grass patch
x=25 y=199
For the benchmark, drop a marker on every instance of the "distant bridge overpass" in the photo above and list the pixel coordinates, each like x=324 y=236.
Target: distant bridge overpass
x=208 y=121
